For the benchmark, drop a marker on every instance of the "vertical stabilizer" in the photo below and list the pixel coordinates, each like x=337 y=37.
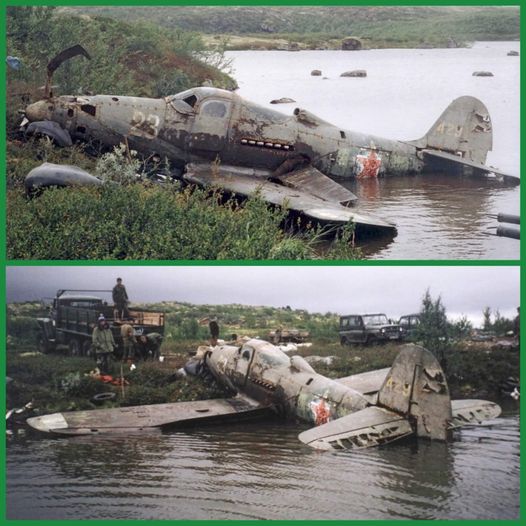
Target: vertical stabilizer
x=464 y=129
x=416 y=387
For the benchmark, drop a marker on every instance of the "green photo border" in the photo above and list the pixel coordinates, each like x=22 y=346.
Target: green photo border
x=32 y=263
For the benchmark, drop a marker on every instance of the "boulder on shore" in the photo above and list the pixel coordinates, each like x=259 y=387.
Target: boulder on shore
x=513 y=53
x=316 y=72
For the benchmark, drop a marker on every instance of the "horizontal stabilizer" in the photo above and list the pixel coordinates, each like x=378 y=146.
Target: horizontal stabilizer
x=472 y=412
x=477 y=168
x=144 y=417
x=247 y=182
x=369 y=427
x=365 y=383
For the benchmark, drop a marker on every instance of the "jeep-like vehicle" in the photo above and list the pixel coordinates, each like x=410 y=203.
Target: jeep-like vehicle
x=409 y=324
x=73 y=315
x=367 y=329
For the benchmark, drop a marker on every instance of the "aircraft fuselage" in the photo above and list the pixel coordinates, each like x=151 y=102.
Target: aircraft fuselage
x=207 y=124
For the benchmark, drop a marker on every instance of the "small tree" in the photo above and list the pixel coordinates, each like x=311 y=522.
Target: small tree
x=461 y=328
x=487 y=325
x=433 y=330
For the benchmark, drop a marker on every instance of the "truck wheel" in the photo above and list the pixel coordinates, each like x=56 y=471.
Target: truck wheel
x=42 y=344
x=86 y=348
x=74 y=347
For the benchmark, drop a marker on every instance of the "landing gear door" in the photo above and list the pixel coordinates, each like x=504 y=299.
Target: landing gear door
x=210 y=126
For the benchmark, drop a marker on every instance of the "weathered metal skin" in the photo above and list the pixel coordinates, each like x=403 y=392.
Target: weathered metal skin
x=207 y=124
x=411 y=398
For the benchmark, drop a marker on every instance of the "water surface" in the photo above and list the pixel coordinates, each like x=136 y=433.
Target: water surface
x=405 y=91
x=262 y=471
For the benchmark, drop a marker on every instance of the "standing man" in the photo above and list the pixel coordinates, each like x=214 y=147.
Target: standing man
x=128 y=342
x=120 y=299
x=103 y=344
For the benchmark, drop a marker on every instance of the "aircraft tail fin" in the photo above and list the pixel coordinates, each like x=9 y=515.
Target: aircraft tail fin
x=464 y=130
x=413 y=400
x=416 y=386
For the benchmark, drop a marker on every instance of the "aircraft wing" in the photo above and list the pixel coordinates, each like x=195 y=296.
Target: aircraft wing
x=144 y=417
x=247 y=181
x=369 y=427
x=480 y=169
x=366 y=383
x=466 y=412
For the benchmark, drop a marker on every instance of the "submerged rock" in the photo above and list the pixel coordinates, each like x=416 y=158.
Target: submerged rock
x=482 y=74
x=316 y=72
x=513 y=53
x=355 y=73
x=283 y=100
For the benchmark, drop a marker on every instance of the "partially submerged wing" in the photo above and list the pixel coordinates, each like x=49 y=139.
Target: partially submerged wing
x=369 y=427
x=143 y=417
x=366 y=383
x=247 y=182
x=318 y=184
x=472 y=412
x=477 y=168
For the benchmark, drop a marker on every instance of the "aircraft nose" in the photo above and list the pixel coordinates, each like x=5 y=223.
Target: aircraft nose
x=39 y=111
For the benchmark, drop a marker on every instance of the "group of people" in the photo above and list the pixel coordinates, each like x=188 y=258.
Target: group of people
x=141 y=347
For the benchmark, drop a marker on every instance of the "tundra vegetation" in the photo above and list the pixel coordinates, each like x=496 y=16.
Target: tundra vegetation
x=139 y=220
x=315 y=27
x=58 y=382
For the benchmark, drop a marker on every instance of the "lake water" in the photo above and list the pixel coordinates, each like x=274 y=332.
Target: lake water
x=262 y=471
x=405 y=91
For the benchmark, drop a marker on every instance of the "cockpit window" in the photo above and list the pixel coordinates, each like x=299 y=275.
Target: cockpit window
x=191 y=100
x=273 y=357
x=214 y=108
x=246 y=352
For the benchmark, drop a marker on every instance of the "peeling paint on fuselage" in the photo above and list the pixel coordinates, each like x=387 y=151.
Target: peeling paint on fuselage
x=246 y=135
x=266 y=374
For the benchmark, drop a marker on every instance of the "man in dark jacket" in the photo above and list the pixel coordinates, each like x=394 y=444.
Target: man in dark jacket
x=120 y=299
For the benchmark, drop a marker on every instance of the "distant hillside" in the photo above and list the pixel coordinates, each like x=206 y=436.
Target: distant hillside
x=380 y=26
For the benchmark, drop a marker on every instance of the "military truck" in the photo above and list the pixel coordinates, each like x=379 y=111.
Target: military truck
x=368 y=329
x=73 y=315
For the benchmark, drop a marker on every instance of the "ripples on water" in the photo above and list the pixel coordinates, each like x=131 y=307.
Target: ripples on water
x=262 y=471
x=404 y=93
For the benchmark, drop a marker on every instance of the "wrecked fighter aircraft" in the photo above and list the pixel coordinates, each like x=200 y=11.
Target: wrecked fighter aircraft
x=358 y=411
x=213 y=137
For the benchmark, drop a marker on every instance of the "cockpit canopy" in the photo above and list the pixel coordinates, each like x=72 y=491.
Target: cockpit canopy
x=190 y=100
x=267 y=355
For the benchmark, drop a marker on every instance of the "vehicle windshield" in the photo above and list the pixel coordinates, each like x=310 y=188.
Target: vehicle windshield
x=375 y=319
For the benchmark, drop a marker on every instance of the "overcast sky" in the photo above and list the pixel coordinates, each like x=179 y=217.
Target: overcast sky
x=342 y=289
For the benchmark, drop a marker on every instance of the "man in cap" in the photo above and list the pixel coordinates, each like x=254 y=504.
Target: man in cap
x=103 y=344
